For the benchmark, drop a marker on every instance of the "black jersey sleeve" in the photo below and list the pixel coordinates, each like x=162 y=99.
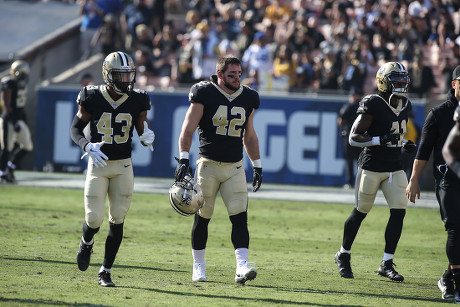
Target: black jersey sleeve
x=144 y=99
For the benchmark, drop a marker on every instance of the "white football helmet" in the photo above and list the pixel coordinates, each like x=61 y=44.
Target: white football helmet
x=119 y=72
x=186 y=196
x=393 y=78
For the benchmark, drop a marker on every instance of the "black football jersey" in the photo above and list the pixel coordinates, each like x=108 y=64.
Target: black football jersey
x=111 y=121
x=18 y=98
x=386 y=119
x=224 y=119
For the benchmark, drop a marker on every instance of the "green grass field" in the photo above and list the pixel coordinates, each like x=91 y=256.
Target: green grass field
x=292 y=243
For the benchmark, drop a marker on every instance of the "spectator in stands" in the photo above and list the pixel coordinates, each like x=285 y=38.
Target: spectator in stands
x=92 y=19
x=135 y=14
x=284 y=66
x=257 y=61
x=422 y=78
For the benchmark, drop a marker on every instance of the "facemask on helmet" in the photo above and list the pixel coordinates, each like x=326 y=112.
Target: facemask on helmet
x=119 y=72
x=19 y=70
x=393 y=78
x=186 y=196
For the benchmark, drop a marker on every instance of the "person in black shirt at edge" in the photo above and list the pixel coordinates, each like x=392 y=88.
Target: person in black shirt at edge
x=380 y=129
x=346 y=118
x=112 y=111
x=438 y=123
x=223 y=111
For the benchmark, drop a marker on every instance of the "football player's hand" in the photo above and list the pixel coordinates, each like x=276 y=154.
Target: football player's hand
x=257 y=179
x=388 y=139
x=94 y=151
x=409 y=147
x=148 y=136
x=17 y=127
x=182 y=169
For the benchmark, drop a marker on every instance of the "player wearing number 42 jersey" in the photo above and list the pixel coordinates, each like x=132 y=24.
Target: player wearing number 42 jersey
x=223 y=111
x=380 y=129
x=112 y=111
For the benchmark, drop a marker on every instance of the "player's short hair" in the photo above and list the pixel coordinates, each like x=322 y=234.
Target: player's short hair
x=223 y=62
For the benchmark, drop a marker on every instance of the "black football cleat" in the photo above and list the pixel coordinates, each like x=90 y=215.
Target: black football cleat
x=105 y=280
x=84 y=255
x=343 y=264
x=447 y=288
x=387 y=269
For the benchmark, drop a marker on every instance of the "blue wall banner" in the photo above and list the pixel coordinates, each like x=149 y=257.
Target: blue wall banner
x=298 y=136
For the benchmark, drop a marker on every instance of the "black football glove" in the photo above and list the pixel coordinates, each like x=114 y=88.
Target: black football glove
x=182 y=169
x=257 y=179
x=409 y=147
x=391 y=138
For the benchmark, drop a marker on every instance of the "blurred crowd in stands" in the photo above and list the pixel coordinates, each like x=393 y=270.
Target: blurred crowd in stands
x=305 y=46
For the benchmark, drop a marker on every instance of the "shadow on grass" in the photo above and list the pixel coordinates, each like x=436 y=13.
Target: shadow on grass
x=39 y=259
x=234 y=298
x=46 y=302
x=364 y=294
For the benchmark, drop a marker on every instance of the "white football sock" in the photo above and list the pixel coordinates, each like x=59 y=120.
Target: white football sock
x=198 y=255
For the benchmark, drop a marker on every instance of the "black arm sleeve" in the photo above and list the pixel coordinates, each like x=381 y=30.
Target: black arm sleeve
x=76 y=132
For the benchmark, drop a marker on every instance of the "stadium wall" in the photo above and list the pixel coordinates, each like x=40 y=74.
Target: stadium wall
x=298 y=136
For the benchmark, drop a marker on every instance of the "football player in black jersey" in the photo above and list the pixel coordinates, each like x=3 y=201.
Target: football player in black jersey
x=13 y=125
x=438 y=124
x=112 y=111
x=223 y=111
x=379 y=129
x=450 y=194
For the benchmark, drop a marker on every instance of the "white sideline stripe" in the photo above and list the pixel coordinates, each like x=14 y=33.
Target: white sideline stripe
x=270 y=191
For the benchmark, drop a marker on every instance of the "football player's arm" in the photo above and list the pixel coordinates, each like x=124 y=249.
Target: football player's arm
x=251 y=144
x=451 y=149
x=358 y=136
x=79 y=122
x=191 y=121
x=250 y=140
x=6 y=96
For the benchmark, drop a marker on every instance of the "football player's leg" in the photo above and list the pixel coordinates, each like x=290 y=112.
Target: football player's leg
x=7 y=144
x=449 y=193
x=25 y=145
x=120 y=193
x=234 y=192
x=393 y=189
x=235 y=196
x=206 y=174
x=367 y=185
x=96 y=186
x=394 y=192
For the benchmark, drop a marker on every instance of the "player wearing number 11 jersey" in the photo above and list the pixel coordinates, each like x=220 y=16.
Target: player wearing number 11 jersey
x=112 y=111
x=222 y=110
x=380 y=128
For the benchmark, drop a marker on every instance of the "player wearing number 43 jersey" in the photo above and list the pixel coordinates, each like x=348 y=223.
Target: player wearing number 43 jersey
x=223 y=111
x=380 y=129
x=112 y=111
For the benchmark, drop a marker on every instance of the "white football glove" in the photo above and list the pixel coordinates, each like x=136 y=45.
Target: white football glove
x=94 y=151
x=147 y=136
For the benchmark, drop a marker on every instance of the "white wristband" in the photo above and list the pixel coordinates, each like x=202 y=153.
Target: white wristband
x=183 y=155
x=376 y=140
x=257 y=163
